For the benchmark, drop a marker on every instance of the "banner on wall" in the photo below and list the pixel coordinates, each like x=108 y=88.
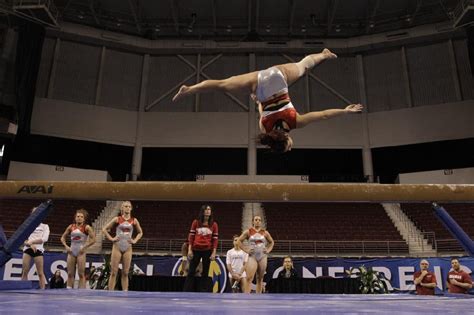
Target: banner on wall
x=398 y=271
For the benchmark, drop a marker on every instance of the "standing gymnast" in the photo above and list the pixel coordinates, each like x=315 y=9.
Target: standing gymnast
x=82 y=237
x=122 y=243
x=261 y=244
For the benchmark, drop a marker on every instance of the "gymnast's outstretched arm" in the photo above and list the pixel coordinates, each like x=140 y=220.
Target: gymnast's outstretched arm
x=305 y=119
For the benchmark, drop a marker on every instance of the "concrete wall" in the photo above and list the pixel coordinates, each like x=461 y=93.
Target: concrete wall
x=454 y=176
x=30 y=171
x=290 y=179
x=177 y=129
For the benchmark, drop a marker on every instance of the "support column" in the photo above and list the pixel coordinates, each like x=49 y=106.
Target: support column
x=100 y=74
x=453 y=227
x=138 y=149
x=252 y=146
x=406 y=77
x=52 y=74
x=198 y=78
x=366 y=152
x=454 y=71
x=307 y=92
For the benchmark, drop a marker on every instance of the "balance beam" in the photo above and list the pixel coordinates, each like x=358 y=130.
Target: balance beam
x=248 y=192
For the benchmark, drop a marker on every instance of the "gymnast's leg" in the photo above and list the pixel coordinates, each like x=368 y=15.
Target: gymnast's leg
x=294 y=71
x=245 y=82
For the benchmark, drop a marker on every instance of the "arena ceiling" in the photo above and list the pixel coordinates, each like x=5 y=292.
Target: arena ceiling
x=254 y=20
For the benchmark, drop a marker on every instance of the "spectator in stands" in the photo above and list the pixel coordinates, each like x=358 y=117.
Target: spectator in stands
x=184 y=267
x=82 y=237
x=288 y=272
x=261 y=244
x=269 y=88
x=56 y=281
x=459 y=281
x=203 y=238
x=34 y=248
x=236 y=259
x=424 y=279
x=123 y=240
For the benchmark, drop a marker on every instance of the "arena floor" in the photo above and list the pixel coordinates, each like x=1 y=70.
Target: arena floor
x=104 y=302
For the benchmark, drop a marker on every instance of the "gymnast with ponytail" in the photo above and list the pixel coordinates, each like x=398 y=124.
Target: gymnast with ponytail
x=269 y=89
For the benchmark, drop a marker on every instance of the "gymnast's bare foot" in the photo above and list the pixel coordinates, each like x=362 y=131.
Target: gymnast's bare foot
x=328 y=54
x=183 y=90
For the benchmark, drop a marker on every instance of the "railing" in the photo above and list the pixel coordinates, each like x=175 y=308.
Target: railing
x=448 y=245
x=431 y=238
x=406 y=221
x=54 y=240
x=166 y=246
x=285 y=247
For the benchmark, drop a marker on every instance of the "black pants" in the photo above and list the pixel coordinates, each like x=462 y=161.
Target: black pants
x=203 y=285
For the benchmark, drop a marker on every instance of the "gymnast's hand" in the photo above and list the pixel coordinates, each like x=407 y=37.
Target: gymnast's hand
x=132 y=241
x=354 y=108
x=114 y=239
x=236 y=276
x=454 y=282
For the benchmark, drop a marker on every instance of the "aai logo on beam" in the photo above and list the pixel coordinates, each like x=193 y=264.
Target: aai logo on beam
x=34 y=189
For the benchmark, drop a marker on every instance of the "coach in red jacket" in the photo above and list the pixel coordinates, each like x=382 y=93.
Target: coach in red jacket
x=202 y=239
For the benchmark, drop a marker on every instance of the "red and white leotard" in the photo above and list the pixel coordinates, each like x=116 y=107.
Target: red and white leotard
x=276 y=110
x=258 y=243
x=272 y=93
x=78 y=238
x=124 y=232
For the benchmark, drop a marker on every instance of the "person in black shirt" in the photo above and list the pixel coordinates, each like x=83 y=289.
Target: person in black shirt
x=56 y=281
x=288 y=271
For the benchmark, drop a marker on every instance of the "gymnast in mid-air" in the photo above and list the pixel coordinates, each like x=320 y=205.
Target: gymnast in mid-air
x=269 y=89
